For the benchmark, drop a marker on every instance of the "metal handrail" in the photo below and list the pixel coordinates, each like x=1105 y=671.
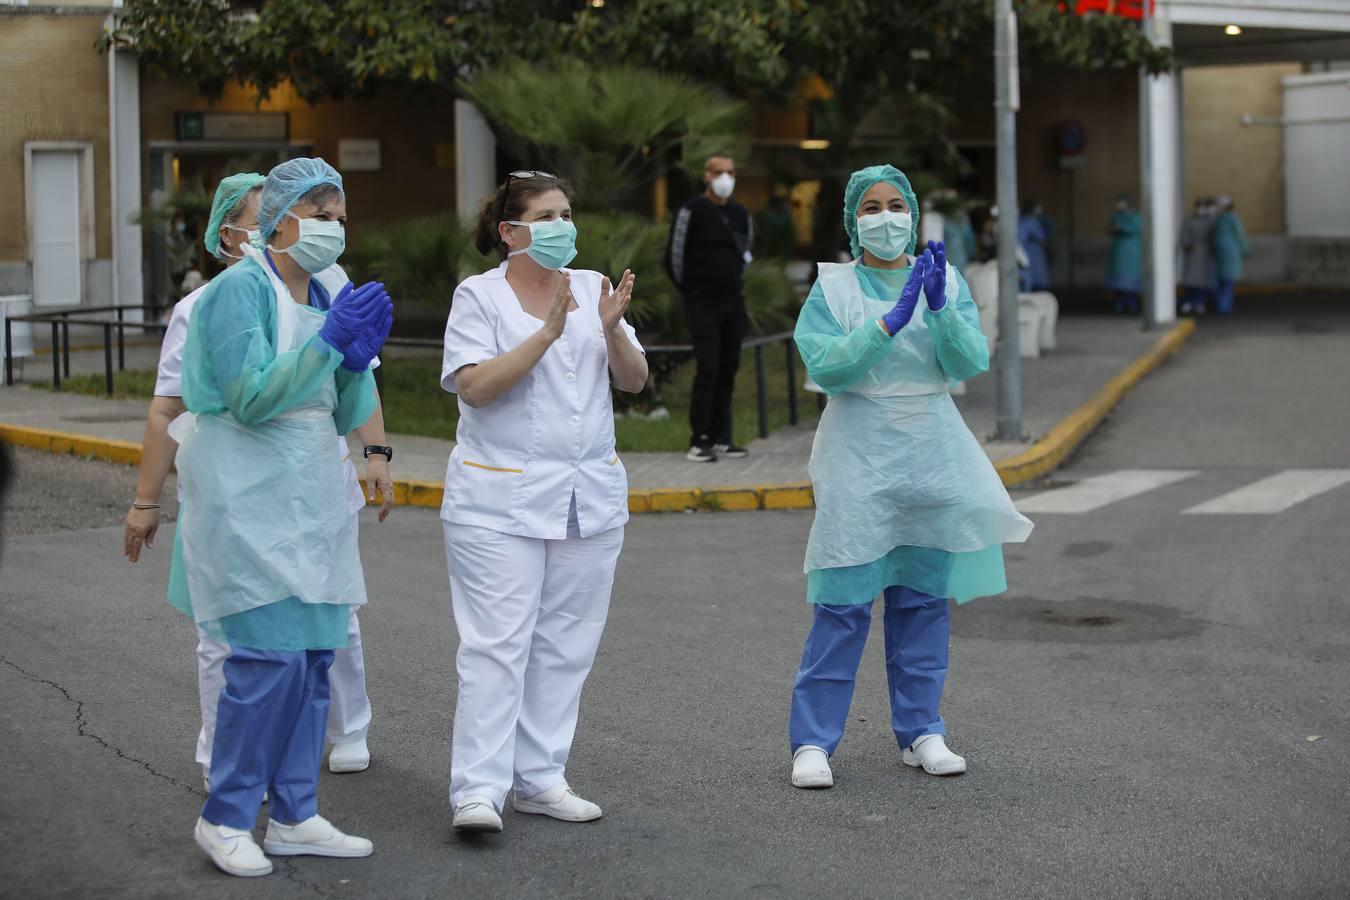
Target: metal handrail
x=62 y=320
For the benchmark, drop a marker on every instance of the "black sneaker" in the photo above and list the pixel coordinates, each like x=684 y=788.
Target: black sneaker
x=700 y=454
x=730 y=451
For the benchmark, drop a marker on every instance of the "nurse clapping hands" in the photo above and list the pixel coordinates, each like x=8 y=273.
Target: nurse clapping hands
x=535 y=499
x=908 y=505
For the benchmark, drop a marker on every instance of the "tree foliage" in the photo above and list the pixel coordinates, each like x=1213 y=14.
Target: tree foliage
x=332 y=48
x=902 y=61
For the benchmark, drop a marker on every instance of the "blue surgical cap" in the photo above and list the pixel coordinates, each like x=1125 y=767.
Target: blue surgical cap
x=233 y=188
x=860 y=183
x=286 y=184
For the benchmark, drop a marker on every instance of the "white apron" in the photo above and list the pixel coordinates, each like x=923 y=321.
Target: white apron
x=893 y=463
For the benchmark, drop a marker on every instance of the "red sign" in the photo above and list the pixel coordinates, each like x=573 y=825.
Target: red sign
x=1126 y=9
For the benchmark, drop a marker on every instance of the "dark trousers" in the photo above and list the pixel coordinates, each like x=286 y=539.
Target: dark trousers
x=717 y=325
x=1197 y=297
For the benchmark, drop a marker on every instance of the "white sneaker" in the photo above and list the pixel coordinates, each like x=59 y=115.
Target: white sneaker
x=352 y=756
x=930 y=752
x=477 y=813
x=811 y=768
x=233 y=851
x=559 y=802
x=316 y=836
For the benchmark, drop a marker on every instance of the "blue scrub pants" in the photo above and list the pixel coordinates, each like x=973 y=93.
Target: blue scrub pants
x=1223 y=296
x=917 y=631
x=269 y=736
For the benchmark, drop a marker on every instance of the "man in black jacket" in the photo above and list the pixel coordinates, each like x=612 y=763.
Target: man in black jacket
x=708 y=252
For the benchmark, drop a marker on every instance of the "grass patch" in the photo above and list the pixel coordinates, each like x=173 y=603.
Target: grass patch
x=133 y=384
x=414 y=402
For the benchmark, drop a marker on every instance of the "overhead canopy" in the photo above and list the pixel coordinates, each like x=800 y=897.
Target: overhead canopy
x=1268 y=30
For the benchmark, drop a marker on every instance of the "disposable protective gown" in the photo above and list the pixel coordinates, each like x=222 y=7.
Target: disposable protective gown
x=1125 y=268
x=1229 y=241
x=905 y=495
x=265 y=554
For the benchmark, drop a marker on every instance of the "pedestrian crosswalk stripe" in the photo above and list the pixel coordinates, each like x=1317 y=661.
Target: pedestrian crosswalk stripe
x=1092 y=493
x=1276 y=493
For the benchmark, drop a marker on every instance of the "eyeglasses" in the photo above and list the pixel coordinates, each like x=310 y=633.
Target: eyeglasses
x=521 y=173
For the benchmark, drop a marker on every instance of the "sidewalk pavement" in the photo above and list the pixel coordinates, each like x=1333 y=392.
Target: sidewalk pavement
x=1092 y=350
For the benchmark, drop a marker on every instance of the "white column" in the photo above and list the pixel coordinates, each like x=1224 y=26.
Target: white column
x=124 y=145
x=1163 y=178
x=475 y=159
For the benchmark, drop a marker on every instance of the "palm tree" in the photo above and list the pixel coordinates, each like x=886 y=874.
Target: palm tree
x=611 y=131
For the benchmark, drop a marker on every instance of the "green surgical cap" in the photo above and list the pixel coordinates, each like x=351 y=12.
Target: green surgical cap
x=860 y=183
x=286 y=184
x=232 y=189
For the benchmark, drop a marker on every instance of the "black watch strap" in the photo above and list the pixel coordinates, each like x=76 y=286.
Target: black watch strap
x=386 y=452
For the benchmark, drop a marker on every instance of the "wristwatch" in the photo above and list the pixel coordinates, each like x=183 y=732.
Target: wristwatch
x=386 y=452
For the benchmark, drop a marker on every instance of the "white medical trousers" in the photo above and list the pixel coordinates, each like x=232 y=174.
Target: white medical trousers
x=348 y=713
x=529 y=614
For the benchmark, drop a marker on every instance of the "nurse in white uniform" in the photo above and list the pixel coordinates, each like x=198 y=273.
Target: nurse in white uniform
x=232 y=224
x=535 y=499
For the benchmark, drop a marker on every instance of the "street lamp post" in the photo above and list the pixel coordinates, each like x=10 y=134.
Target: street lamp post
x=1006 y=104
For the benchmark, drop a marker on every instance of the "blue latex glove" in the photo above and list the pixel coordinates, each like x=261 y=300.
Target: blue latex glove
x=358 y=355
x=935 y=279
x=353 y=313
x=903 y=310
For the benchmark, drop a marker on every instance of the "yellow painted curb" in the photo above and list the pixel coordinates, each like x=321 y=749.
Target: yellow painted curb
x=124 y=452
x=1046 y=454
x=1036 y=462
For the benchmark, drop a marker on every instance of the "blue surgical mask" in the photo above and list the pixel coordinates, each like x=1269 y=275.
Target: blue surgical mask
x=553 y=242
x=319 y=245
x=886 y=234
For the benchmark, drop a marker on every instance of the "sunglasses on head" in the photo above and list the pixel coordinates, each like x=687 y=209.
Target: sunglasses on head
x=522 y=173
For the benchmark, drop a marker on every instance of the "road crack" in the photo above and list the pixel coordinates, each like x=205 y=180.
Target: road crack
x=83 y=730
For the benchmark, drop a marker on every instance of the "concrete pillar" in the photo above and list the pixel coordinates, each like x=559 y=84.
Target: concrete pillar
x=124 y=144
x=475 y=160
x=1162 y=178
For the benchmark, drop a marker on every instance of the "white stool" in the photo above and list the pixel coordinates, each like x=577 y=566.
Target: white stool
x=1048 y=308
x=1029 y=330
x=16 y=305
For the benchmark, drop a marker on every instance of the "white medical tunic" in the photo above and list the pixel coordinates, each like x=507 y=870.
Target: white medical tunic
x=519 y=461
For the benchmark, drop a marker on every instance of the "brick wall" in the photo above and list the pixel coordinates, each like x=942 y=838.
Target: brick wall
x=56 y=90
x=1225 y=157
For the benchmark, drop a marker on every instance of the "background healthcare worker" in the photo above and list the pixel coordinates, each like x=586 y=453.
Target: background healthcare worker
x=233 y=223
x=907 y=503
x=265 y=553
x=535 y=499
x=1124 y=270
x=1228 y=241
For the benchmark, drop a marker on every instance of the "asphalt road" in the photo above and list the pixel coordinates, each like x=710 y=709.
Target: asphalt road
x=1137 y=710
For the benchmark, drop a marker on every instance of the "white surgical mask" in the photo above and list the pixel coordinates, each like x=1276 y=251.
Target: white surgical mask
x=886 y=234
x=723 y=185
